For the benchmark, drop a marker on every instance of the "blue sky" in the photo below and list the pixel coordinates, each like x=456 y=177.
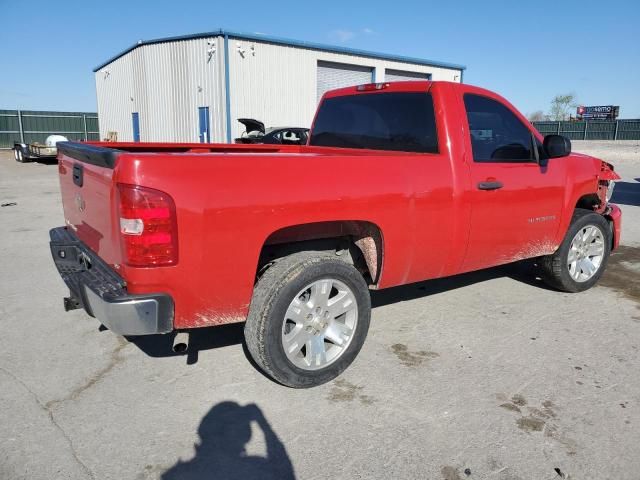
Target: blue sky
x=527 y=51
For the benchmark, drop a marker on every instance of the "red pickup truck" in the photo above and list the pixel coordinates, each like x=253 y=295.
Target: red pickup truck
x=399 y=182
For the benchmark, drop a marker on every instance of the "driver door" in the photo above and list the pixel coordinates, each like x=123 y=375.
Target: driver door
x=515 y=202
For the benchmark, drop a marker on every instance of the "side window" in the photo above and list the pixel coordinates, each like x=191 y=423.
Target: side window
x=497 y=135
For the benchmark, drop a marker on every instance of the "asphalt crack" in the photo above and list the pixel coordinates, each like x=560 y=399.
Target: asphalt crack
x=53 y=421
x=115 y=359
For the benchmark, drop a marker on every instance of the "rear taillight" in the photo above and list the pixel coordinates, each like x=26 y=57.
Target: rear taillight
x=148 y=226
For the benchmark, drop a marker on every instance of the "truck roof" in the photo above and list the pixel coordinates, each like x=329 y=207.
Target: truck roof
x=412 y=86
x=401 y=86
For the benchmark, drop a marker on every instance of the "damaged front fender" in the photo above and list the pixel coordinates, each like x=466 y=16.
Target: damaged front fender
x=607 y=172
x=606 y=178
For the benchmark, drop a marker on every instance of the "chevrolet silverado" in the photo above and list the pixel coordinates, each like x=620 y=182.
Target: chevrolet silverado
x=399 y=182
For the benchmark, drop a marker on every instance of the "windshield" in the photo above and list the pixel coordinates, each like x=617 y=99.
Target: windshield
x=398 y=121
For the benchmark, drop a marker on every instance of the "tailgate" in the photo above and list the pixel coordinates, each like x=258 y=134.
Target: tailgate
x=88 y=196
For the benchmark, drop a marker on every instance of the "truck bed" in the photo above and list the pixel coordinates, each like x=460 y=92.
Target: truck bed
x=232 y=198
x=169 y=147
x=159 y=147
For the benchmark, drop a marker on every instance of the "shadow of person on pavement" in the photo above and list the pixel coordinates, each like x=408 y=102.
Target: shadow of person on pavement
x=221 y=452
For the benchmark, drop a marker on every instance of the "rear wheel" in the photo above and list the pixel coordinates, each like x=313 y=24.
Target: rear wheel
x=308 y=319
x=582 y=257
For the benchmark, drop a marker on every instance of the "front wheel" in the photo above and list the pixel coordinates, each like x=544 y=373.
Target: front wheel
x=308 y=319
x=582 y=257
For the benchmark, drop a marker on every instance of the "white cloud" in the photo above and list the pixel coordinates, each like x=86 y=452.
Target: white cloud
x=341 y=36
x=368 y=31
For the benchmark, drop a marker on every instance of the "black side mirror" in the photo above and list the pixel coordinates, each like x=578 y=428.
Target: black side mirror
x=557 y=146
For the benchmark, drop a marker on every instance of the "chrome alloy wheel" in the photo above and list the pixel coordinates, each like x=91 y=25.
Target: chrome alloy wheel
x=319 y=324
x=586 y=253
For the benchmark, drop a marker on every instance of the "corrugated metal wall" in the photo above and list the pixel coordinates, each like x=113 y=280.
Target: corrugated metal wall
x=167 y=82
x=593 y=129
x=278 y=84
x=38 y=125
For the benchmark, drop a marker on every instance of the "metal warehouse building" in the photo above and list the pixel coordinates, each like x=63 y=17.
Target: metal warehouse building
x=193 y=88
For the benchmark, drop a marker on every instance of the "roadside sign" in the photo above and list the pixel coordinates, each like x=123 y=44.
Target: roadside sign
x=603 y=112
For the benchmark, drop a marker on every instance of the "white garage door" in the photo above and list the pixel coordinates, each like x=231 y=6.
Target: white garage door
x=338 y=75
x=400 y=75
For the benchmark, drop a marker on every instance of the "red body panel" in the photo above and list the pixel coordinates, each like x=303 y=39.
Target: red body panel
x=90 y=210
x=615 y=216
x=231 y=198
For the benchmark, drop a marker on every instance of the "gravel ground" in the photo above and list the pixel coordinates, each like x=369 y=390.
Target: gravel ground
x=623 y=152
x=488 y=375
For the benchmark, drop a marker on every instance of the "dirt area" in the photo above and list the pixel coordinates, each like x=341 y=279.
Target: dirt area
x=488 y=375
x=625 y=152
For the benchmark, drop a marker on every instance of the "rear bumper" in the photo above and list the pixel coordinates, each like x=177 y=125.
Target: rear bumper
x=614 y=215
x=102 y=293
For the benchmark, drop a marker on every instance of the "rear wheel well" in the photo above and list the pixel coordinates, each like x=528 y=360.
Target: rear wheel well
x=356 y=242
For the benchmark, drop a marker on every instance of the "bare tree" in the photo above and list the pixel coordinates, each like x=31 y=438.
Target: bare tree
x=537 y=116
x=561 y=106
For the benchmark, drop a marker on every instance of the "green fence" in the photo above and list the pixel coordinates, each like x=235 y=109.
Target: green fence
x=27 y=126
x=593 y=129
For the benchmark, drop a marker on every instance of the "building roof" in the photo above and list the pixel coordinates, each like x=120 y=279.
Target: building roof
x=286 y=41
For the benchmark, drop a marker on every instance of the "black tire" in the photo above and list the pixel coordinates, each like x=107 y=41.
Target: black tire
x=15 y=154
x=555 y=269
x=21 y=157
x=271 y=297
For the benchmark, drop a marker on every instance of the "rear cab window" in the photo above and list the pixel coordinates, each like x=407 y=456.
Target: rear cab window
x=399 y=121
x=497 y=134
